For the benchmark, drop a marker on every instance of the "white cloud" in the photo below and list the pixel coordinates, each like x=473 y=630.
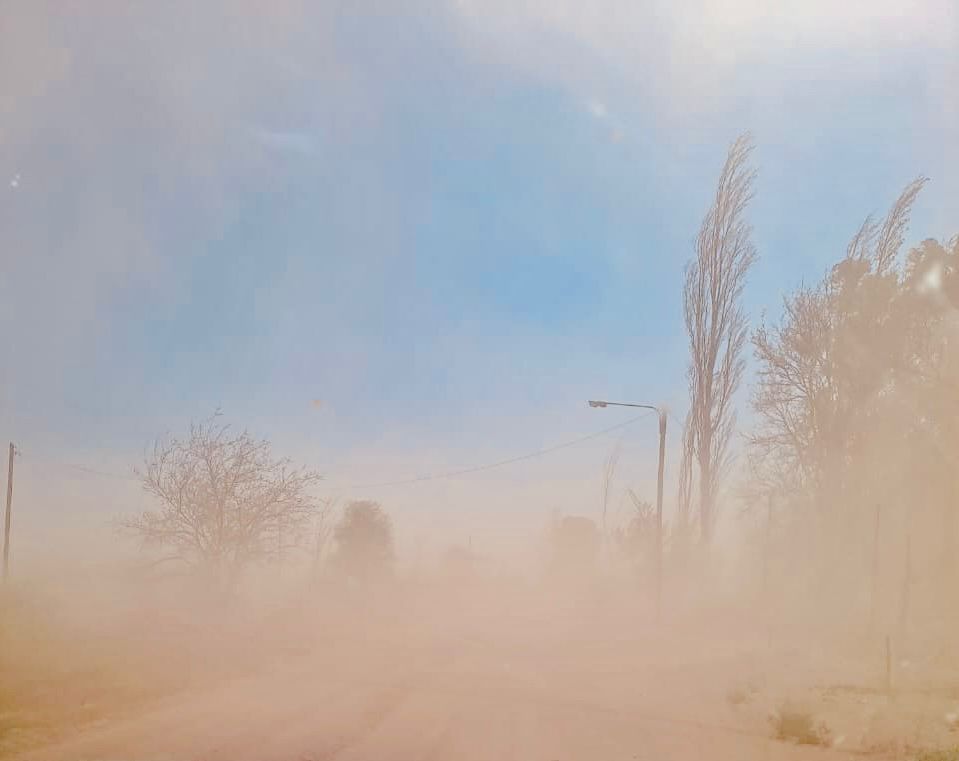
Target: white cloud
x=613 y=26
x=688 y=49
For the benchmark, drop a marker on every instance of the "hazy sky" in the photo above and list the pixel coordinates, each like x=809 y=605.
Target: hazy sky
x=451 y=222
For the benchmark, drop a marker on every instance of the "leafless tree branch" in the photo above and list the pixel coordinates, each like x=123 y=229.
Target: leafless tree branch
x=223 y=501
x=717 y=329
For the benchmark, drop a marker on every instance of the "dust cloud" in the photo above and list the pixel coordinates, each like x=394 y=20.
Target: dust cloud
x=751 y=654
x=414 y=238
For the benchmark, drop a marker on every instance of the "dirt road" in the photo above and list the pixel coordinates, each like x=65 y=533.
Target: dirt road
x=457 y=693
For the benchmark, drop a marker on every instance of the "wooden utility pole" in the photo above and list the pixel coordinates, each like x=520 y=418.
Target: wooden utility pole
x=767 y=596
x=875 y=570
x=904 y=599
x=279 y=544
x=769 y=524
x=888 y=667
x=6 y=520
x=659 y=512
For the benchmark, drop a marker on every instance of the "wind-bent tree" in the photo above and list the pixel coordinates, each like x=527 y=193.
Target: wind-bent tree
x=364 y=542
x=841 y=349
x=717 y=329
x=223 y=500
x=857 y=431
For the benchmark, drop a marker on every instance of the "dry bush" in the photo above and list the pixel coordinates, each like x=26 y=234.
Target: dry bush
x=798 y=725
x=945 y=754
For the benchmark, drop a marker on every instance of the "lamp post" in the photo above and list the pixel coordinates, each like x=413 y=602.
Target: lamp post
x=659 y=487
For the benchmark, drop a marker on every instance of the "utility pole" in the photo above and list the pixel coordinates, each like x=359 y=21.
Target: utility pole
x=279 y=544
x=769 y=524
x=659 y=512
x=6 y=520
x=661 y=411
x=875 y=570
x=767 y=597
x=904 y=600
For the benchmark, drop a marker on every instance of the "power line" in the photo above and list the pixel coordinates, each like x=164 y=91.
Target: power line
x=399 y=482
x=93 y=471
x=501 y=463
x=79 y=468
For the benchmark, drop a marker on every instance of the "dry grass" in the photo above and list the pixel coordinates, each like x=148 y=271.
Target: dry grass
x=946 y=754
x=57 y=679
x=64 y=673
x=794 y=724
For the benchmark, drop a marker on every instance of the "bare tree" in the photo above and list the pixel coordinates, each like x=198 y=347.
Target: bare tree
x=223 y=500
x=835 y=354
x=717 y=329
x=685 y=498
x=852 y=417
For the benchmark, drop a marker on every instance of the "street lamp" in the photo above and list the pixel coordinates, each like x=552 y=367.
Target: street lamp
x=659 y=487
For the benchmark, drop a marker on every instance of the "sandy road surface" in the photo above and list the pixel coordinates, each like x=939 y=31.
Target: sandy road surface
x=454 y=692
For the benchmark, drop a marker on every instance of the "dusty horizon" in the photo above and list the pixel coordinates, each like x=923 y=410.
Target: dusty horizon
x=458 y=380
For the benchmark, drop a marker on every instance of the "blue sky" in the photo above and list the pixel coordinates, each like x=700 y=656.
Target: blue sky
x=451 y=222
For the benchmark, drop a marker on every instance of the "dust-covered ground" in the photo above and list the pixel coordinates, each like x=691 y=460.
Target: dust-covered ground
x=480 y=669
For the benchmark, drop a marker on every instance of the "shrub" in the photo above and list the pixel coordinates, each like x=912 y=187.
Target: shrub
x=945 y=754
x=797 y=725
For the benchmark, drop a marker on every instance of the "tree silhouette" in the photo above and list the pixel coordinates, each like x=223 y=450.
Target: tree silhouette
x=223 y=500
x=364 y=542
x=842 y=347
x=717 y=330
x=858 y=415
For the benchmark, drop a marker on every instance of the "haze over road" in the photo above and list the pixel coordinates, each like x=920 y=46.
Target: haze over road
x=467 y=685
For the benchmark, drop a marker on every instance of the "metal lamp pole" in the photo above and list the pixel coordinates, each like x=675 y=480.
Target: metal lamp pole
x=659 y=488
